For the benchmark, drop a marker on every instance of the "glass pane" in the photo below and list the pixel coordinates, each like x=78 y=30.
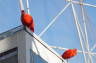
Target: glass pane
x=12 y=59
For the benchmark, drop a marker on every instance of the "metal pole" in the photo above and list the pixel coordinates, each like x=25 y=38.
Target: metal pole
x=27 y=5
x=53 y=20
x=21 y=5
x=78 y=29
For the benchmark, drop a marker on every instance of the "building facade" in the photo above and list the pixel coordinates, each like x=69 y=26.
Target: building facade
x=23 y=46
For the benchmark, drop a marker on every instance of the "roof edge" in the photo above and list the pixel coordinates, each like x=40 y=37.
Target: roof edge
x=11 y=32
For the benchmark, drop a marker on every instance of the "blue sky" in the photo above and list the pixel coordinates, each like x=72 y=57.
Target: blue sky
x=63 y=33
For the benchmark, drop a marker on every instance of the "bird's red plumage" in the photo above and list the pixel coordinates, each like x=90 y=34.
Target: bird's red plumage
x=31 y=27
x=69 y=53
x=27 y=20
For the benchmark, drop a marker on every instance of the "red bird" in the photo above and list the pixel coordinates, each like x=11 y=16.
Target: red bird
x=69 y=53
x=27 y=20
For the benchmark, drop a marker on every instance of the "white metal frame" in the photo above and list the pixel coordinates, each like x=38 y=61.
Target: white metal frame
x=53 y=20
x=83 y=36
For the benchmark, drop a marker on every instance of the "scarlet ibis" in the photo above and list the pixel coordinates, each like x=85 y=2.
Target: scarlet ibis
x=69 y=53
x=31 y=27
x=27 y=20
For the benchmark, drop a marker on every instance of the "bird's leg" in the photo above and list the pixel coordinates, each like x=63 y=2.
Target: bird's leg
x=67 y=60
x=24 y=27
